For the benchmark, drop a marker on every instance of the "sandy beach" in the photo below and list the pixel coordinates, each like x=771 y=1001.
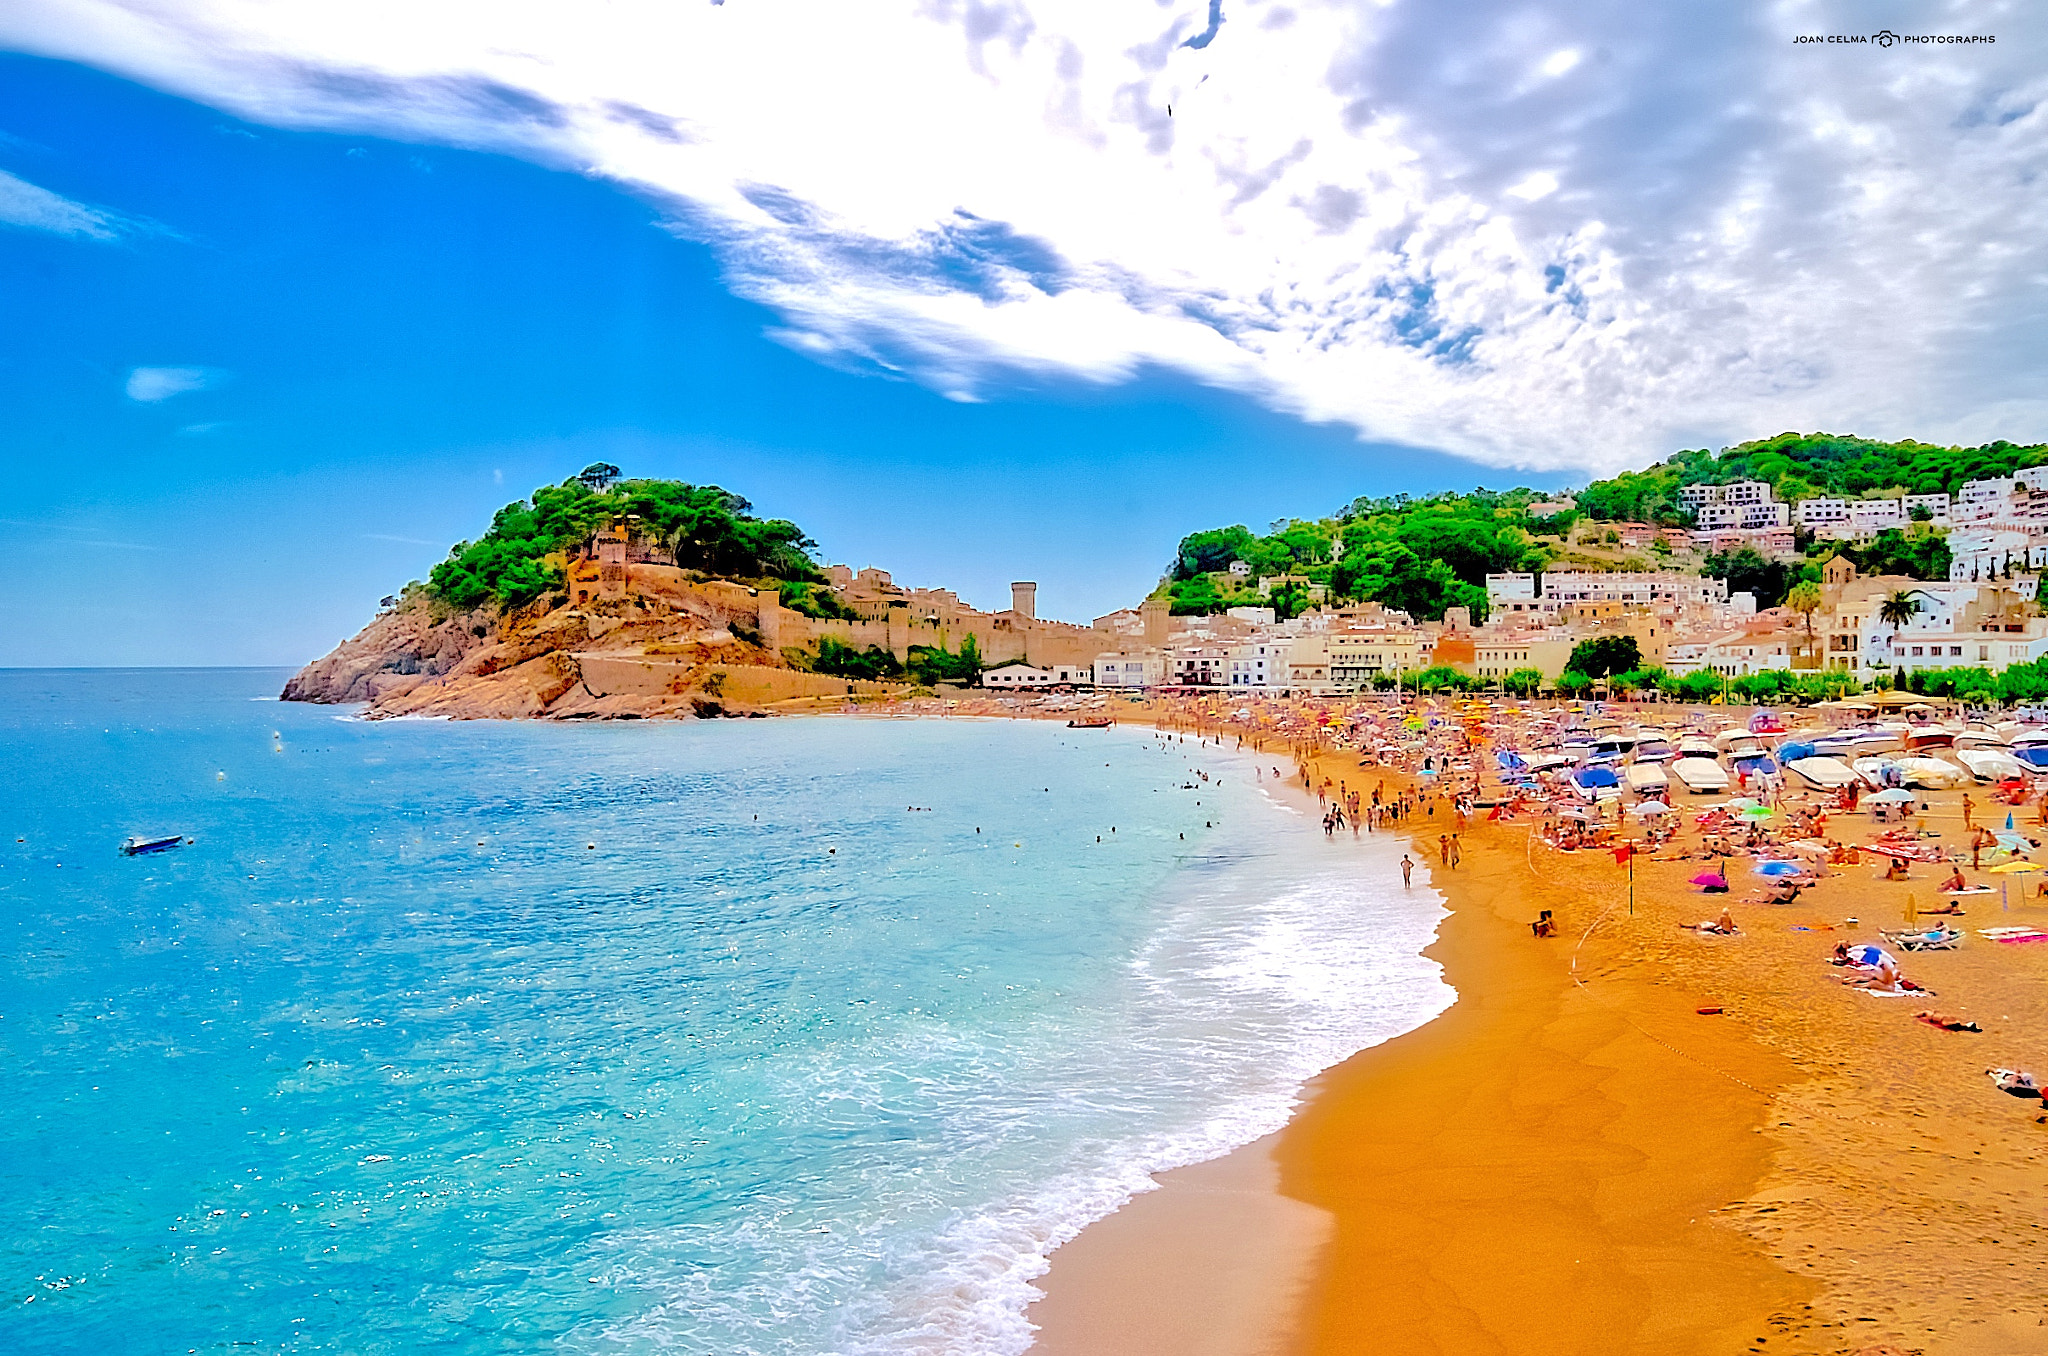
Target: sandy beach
x=1575 y=1158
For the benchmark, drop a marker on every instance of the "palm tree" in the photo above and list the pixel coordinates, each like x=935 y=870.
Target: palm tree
x=1899 y=608
x=1805 y=600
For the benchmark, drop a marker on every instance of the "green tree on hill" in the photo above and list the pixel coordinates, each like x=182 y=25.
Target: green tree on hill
x=1603 y=656
x=706 y=528
x=1749 y=571
x=1922 y=555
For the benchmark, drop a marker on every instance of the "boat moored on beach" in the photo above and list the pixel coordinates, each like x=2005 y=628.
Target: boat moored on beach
x=1699 y=775
x=1646 y=779
x=1595 y=783
x=1090 y=723
x=1828 y=774
x=1992 y=765
x=1932 y=774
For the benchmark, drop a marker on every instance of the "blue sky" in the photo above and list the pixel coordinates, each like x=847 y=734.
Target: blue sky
x=295 y=295
x=389 y=341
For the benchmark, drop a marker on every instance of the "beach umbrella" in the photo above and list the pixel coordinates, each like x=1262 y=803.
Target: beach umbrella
x=2016 y=868
x=1757 y=812
x=2015 y=841
x=1743 y=803
x=1895 y=796
x=1870 y=956
x=1708 y=878
x=1651 y=807
x=1777 y=868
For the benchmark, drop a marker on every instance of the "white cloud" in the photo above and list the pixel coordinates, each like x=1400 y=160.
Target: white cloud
x=38 y=209
x=1351 y=212
x=152 y=384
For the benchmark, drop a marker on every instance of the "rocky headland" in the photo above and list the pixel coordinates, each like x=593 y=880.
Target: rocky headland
x=673 y=646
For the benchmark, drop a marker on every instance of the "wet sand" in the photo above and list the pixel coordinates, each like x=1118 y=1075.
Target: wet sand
x=1573 y=1159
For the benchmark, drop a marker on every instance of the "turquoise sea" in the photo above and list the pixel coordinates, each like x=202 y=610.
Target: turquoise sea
x=494 y=1037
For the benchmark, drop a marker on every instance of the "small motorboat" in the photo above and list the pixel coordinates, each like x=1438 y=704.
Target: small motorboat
x=1653 y=747
x=1931 y=773
x=1091 y=723
x=138 y=845
x=1755 y=764
x=1646 y=779
x=1992 y=765
x=1829 y=774
x=1698 y=746
x=1699 y=774
x=1979 y=735
x=1595 y=783
x=1918 y=740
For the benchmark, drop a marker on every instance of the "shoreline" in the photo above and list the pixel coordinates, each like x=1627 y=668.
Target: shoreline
x=1573 y=1157
x=1400 y=1150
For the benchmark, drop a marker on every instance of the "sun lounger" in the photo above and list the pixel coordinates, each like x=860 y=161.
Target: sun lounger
x=1932 y=939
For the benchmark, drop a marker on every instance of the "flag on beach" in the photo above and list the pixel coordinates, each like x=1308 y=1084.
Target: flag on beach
x=1624 y=852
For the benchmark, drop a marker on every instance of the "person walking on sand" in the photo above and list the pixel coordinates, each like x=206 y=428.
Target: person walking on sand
x=1407 y=872
x=1454 y=850
x=1969 y=811
x=1443 y=848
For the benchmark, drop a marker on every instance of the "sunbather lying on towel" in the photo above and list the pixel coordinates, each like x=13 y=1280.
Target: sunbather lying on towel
x=1946 y=1022
x=2018 y=1082
x=1951 y=908
x=1783 y=891
x=1884 y=979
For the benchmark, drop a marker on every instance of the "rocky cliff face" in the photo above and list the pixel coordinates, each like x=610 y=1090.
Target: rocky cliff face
x=399 y=648
x=670 y=647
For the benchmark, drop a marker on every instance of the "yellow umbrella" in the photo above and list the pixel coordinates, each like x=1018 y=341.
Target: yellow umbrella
x=2010 y=869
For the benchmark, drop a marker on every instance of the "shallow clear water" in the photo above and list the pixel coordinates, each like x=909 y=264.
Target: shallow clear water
x=480 y=1037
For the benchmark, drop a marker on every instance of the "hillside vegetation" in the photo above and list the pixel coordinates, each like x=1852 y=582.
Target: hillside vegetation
x=1424 y=555
x=1801 y=466
x=702 y=527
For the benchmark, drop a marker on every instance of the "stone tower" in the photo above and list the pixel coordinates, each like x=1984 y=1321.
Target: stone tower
x=1024 y=598
x=1157 y=623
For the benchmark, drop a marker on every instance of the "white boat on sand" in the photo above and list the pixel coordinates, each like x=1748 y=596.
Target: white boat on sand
x=1699 y=775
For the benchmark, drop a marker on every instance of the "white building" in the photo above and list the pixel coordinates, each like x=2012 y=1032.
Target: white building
x=1198 y=666
x=1123 y=669
x=1737 y=654
x=1644 y=588
x=1259 y=663
x=1937 y=506
x=1909 y=650
x=1820 y=512
x=1983 y=501
x=1877 y=513
x=1984 y=553
x=1745 y=517
x=1017 y=674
